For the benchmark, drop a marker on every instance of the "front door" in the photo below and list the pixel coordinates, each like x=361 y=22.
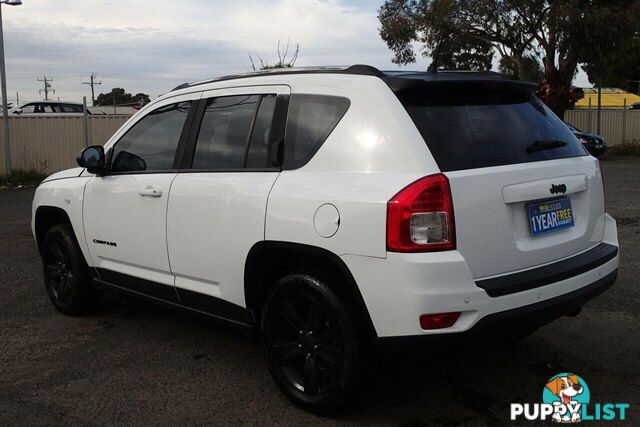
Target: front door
x=125 y=210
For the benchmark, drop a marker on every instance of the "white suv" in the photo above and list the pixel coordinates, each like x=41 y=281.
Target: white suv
x=333 y=208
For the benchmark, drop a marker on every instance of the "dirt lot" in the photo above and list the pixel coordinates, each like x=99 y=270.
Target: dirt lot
x=134 y=363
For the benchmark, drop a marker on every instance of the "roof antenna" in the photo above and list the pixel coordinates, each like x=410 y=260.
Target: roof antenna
x=433 y=67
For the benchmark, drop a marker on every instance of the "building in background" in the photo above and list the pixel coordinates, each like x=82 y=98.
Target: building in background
x=611 y=98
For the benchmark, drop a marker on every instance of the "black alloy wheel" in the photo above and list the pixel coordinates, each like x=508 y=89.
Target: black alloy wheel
x=57 y=270
x=66 y=274
x=311 y=345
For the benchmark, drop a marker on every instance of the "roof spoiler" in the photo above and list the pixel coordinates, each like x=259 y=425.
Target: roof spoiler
x=399 y=83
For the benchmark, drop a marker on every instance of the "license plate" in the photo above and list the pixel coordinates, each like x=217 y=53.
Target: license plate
x=548 y=216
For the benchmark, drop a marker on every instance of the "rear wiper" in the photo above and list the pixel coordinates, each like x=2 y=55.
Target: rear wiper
x=545 y=144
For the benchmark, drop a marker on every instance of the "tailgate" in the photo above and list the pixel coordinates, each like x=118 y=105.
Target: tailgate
x=493 y=227
x=524 y=190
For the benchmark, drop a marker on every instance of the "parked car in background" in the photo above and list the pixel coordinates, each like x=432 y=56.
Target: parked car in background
x=635 y=106
x=594 y=143
x=125 y=110
x=48 y=107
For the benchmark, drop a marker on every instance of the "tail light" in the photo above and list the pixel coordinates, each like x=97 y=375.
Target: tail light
x=420 y=217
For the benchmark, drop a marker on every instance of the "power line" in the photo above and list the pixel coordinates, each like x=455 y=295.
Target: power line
x=32 y=72
x=47 y=87
x=93 y=83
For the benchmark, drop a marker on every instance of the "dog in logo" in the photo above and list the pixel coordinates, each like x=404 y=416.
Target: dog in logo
x=565 y=388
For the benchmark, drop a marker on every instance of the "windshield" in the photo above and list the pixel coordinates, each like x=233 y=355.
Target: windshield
x=468 y=126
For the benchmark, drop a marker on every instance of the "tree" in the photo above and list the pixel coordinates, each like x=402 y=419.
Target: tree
x=405 y=22
x=562 y=34
x=464 y=54
x=530 y=69
x=619 y=67
x=118 y=96
x=283 y=61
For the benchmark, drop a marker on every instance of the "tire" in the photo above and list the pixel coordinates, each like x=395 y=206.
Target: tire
x=312 y=345
x=66 y=274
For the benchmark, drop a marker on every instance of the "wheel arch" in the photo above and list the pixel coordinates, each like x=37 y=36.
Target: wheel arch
x=47 y=217
x=268 y=261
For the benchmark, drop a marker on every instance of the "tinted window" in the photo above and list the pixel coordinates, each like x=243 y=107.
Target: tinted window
x=152 y=142
x=258 y=156
x=310 y=121
x=467 y=127
x=29 y=108
x=71 y=108
x=224 y=132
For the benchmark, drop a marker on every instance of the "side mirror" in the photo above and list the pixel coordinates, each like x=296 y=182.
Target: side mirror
x=92 y=158
x=18 y=111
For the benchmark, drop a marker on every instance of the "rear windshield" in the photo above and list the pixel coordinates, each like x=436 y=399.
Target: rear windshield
x=468 y=126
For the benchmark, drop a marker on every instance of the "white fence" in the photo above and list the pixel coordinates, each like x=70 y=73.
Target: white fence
x=616 y=125
x=51 y=143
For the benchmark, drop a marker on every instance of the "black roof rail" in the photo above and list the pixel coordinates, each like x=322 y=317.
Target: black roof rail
x=365 y=70
x=396 y=80
x=360 y=69
x=182 y=86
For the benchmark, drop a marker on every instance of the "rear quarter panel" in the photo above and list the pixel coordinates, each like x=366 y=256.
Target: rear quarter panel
x=373 y=153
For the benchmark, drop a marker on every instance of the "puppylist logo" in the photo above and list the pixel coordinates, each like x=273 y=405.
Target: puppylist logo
x=566 y=399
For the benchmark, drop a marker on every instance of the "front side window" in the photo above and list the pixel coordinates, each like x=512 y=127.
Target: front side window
x=225 y=132
x=150 y=145
x=311 y=120
x=29 y=108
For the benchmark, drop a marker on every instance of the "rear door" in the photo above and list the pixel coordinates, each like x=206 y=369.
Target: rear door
x=524 y=190
x=217 y=204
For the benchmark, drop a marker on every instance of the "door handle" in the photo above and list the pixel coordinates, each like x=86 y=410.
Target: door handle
x=151 y=192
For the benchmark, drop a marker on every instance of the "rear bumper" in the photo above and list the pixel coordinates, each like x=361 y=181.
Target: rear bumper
x=551 y=273
x=596 y=149
x=514 y=322
x=400 y=288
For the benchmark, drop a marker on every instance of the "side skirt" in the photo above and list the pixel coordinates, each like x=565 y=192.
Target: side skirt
x=225 y=312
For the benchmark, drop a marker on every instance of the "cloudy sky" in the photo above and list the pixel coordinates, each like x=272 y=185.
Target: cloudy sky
x=153 y=45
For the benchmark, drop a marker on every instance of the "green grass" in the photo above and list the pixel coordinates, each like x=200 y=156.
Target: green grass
x=21 y=178
x=627 y=148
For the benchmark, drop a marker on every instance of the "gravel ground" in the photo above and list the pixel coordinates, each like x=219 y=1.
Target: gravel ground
x=135 y=363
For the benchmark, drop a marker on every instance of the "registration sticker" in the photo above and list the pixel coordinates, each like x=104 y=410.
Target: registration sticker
x=550 y=215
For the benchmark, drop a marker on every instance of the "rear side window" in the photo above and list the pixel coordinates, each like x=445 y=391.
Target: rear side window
x=71 y=108
x=150 y=145
x=311 y=120
x=468 y=126
x=258 y=155
x=225 y=130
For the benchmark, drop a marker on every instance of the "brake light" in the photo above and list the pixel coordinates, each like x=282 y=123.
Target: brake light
x=420 y=217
